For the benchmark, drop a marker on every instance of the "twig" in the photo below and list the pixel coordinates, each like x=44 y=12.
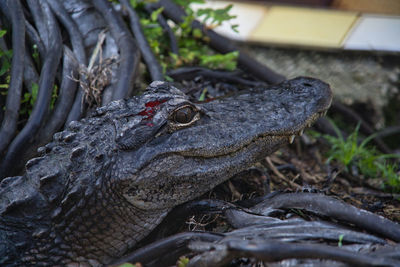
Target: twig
x=21 y=142
x=9 y=124
x=164 y=24
x=189 y=73
x=94 y=78
x=152 y=64
x=65 y=98
x=30 y=74
x=35 y=7
x=74 y=34
x=170 y=248
x=280 y=175
x=388 y=131
x=272 y=251
x=34 y=39
x=335 y=209
x=129 y=53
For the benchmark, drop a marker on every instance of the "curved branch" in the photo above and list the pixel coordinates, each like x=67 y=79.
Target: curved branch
x=129 y=53
x=65 y=98
x=72 y=29
x=75 y=111
x=172 y=39
x=20 y=144
x=272 y=251
x=388 y=131
x=333 y=208
x=164 y=24
x=40 y=23
x=9 y=123
x=148 y=55
x=189 y=73
x=171 y=248
x=30 y=74
x=34 y=38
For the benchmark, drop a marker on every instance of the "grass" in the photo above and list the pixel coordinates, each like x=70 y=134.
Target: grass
x=349 y=152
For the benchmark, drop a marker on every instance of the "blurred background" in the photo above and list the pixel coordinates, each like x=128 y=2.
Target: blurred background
x=352 y=44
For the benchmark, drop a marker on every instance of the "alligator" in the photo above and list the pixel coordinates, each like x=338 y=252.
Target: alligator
x=106 y=181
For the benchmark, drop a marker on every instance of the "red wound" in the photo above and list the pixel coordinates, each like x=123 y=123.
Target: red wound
x=150 y=110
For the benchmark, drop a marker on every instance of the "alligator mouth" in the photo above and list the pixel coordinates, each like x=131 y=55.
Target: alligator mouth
x=308 y=123
x=290 y=136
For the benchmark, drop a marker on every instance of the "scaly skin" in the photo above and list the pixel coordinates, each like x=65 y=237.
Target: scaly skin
x=107 y=181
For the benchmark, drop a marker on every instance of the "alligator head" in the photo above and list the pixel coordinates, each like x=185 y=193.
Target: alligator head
x=107 y=181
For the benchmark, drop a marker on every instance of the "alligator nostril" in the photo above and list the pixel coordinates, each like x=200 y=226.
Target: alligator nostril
x=307 y=84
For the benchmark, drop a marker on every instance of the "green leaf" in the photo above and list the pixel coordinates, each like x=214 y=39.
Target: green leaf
x=197 y=33
x=127 y=264
x=216 y=16
x=133 y=3
x=35 y=91
x=186 y=3
x=35 y=54
x=192 y=44
x=218 y=61
x=234 y=28
x=340 y=240
x=168 y=78
x=202 y=97
x=5 y=57
x=155 y=13
x=2 y=33
x=183 y=261
x=369 y=162
x=54 y=96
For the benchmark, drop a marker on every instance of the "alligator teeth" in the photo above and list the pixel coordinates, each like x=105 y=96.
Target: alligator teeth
x=322 y=113
x=301 y=132
x=291 y=139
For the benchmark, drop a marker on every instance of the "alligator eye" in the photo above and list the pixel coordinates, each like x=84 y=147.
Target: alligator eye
x=184 y=114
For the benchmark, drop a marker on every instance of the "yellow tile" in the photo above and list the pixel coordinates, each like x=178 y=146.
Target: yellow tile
x=304 y=26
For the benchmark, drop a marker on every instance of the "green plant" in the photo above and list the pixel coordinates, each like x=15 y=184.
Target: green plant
x=340 y=240
x=29 y=98
x=192 y=43
x=35 y=54
x=391 y=172
x=182 y=262
x=127 y=264
x=367 y=159
x=54 y=96
x=5 y=59
x=217 y=16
